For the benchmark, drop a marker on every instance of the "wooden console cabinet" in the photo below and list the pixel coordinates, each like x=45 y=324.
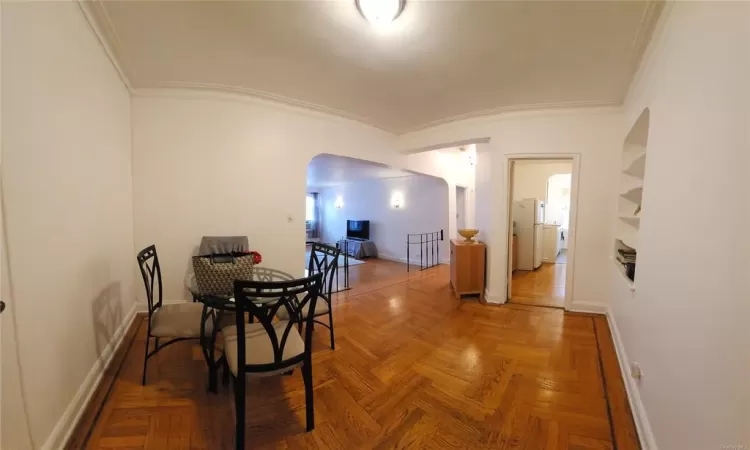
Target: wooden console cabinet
x=467 y=268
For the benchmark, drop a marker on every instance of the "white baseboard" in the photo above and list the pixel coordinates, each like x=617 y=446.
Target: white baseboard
x=586 y=307
x=67 y=423
x=645 y=434
x=489 y=297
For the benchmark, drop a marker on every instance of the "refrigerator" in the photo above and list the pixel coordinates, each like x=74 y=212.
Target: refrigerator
x=528 y=215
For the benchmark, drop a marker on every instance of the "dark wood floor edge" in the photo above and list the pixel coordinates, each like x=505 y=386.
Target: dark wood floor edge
x=511 y=302
x=90 y=416
x=605 y=388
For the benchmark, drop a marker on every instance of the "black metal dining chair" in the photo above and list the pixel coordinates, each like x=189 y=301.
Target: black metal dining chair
x=181 y=321
x=324 y=259
x=270 y=347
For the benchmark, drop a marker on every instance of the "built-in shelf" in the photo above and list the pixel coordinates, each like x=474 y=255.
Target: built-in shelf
x=628 y=225
x=637 y=167
x=633 y=148
x=634 y=194
x=632 y=220
x=628 y=237
x=621 y=270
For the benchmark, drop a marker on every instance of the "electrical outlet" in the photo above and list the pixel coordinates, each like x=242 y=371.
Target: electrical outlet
x=635 y=371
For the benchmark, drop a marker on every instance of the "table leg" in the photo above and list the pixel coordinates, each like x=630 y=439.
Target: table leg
x=208 y=344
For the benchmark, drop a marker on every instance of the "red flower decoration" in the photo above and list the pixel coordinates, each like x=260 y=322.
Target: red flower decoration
x=257 y=258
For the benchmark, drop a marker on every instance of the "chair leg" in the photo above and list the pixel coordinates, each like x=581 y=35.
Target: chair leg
x=309 y=403
x=225 y=380
x=239 y=407
x=330 y=323
x=145 y=361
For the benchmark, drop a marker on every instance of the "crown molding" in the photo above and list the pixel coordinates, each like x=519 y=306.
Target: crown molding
x=105 y=34
x=200 y=91
x=646 y=30
x=94 y=11
x=267 y=97
x=514 y=109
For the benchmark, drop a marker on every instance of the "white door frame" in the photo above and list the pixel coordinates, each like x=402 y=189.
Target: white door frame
x=573 y=219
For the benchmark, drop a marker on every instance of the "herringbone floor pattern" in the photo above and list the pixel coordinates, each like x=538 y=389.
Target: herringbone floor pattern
x=413 y=368
x=544 y=286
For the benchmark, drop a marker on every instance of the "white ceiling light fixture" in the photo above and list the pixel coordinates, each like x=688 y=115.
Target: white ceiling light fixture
x=380 y=12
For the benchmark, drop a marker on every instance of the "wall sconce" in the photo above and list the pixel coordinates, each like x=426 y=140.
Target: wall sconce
x=339 y=203
x=397 y=199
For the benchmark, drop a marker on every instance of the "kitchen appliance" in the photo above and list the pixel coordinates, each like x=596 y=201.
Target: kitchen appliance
x=552 y=243
x=528 y=214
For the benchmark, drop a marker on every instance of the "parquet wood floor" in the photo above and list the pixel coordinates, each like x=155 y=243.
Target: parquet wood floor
x=413 y=368
x=544 y=286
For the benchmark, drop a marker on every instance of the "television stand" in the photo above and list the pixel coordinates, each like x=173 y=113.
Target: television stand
x=358 y=248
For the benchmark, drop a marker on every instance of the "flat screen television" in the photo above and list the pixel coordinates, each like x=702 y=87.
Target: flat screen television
x=358 y=229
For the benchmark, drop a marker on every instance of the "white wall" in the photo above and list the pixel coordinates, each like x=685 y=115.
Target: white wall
x=213 y=164
x=207 y=163
x=425 y=210
x=454 y=168
x=531 y=177
x=686 y=322
x=591 y=133
x=488 y=215
x=68 y=207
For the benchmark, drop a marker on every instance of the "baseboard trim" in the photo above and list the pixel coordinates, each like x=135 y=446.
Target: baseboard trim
x=489 y=297
x=590 y=308
x=62 y=432
x=645 y=434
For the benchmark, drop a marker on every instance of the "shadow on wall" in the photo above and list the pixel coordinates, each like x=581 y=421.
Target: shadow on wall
x=107 y=314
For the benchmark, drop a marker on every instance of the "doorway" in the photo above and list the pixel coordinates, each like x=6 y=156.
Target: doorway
x=541 y=198
x=369 y=210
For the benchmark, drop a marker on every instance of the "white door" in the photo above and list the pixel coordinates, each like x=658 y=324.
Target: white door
x=460 y=207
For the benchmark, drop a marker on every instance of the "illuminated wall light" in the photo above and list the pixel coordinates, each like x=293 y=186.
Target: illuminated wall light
x=397 y=199
x=339 y=203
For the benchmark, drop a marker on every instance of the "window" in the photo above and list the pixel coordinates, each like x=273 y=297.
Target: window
x=311 y=215
x=558 y=200
x=310 y=208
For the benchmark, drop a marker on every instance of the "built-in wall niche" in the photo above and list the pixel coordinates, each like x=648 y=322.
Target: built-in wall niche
x=630 y=201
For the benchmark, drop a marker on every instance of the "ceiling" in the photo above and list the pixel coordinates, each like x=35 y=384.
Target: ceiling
x=330 y=170
x=439 y=61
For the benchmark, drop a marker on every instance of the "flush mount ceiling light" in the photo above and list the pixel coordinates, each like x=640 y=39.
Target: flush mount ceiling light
x=380 y=12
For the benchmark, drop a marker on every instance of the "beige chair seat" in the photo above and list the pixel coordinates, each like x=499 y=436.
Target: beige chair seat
x=258 y=346
x=179 y=320
x=321 y=307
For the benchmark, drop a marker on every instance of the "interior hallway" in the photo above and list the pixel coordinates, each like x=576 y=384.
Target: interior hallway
x=542 y=287
x=413 y=368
